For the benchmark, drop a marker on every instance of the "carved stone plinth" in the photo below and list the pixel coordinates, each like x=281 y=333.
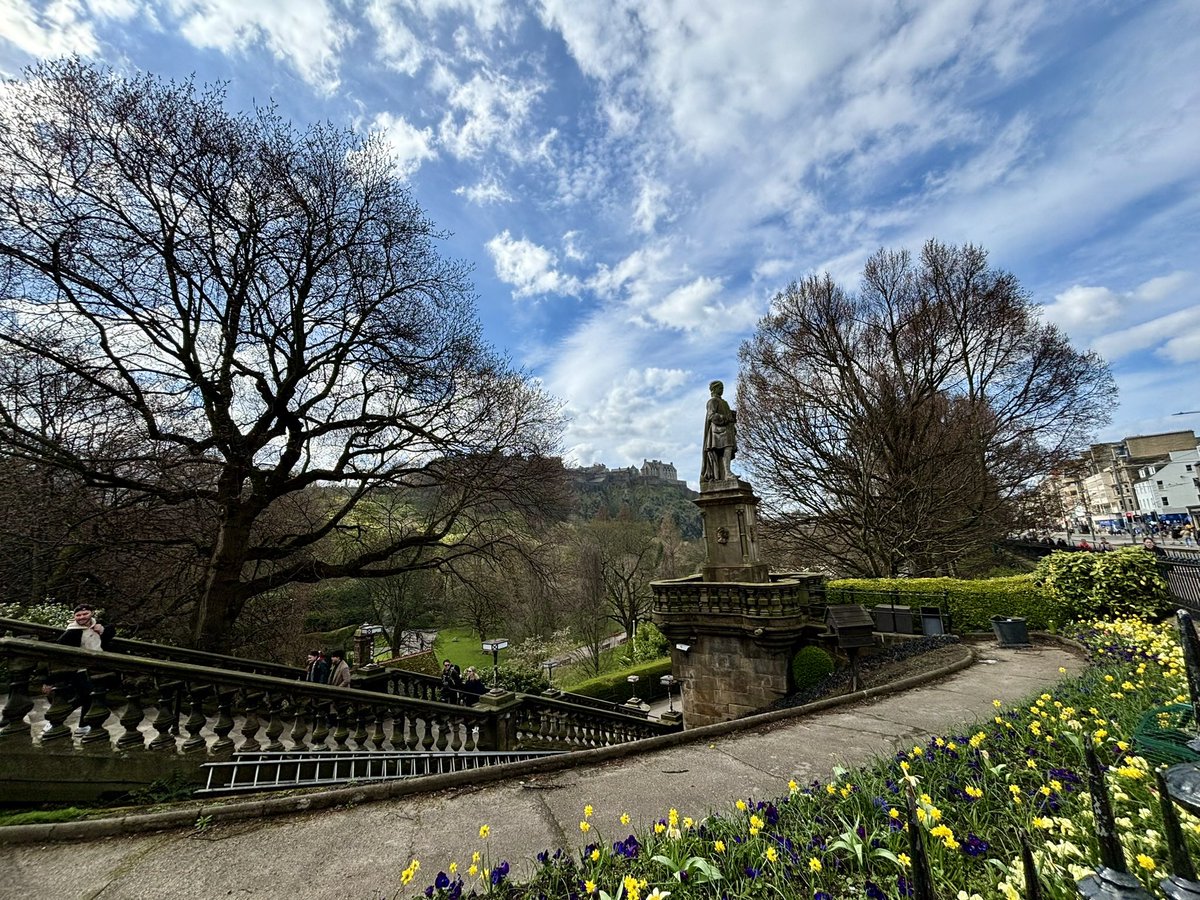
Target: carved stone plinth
x=732 y=642
x=729 y=510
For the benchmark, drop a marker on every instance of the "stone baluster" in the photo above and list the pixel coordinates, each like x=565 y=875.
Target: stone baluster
x=196 y=720
x=361 y=713
x=411 y=741
x=301 y=713
x=341 y=731
x=20 y=699
x=224 y=723
x=166 y=716
x=131 y=717
x=377 y=736
x=427 y=733
x=457 y=726
x=251 y=722
x=275 y=726
x=443 y=736
x=322 y=716
x=98 y=712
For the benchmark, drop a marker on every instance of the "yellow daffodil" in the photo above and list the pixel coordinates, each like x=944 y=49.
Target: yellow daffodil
x=484 y=831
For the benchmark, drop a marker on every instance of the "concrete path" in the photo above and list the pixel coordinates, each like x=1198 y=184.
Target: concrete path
x=360 y=852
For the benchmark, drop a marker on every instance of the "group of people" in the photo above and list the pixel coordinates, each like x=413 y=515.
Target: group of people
x=327 y=667
x=459 y=688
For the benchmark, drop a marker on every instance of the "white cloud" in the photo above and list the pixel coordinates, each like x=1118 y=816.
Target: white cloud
x=528 y=267
x=488 y=111
x=1177 y=333
x=571 y=248
x=51 y=29
x=309 y=36
x=398 y=47
x=650 y=206
x=1084 y=310
x=410 y=145
x=484 y=192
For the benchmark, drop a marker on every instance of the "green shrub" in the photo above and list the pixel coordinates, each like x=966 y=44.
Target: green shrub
x=810 y=665
x=1122 y=582
x=614 y=686
x=971 y=604
x=648 y=644
x=49 y=612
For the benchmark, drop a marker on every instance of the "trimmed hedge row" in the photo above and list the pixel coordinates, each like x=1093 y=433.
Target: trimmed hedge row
x=971 y=604
x=614 y=687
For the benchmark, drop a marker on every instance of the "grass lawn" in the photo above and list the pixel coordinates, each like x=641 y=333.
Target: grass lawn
x=461 y=645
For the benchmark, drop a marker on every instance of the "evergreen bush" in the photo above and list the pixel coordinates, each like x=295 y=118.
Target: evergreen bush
x=1123 y=582
x=810 y=665
x=971 y=604
x=614 y=686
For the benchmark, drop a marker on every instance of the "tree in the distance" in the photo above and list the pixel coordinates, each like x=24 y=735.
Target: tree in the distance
x=263 y=313
x=889 y=430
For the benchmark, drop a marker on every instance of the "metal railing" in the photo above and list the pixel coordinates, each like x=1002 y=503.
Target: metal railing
x=252 y=772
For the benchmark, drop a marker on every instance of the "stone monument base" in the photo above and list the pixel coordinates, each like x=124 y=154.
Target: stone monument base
x=732 y=642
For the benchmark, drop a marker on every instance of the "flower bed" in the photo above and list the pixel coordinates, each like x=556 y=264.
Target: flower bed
x=979 y=789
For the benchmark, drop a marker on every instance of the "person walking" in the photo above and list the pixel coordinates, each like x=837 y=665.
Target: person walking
x=473 y=686
x=86 y=633
x=316 y=669
x=451 y=682
x=339 y=671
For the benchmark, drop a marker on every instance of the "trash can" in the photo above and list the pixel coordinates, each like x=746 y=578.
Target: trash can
x=1010 y=631
x=905 y=620
x=931 y=621
x=885 y=616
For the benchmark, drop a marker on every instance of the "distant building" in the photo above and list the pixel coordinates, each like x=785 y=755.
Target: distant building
x=652 y=470
x=1170 y=489
x=1115 y=485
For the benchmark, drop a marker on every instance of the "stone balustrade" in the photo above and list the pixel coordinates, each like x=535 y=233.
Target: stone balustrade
x=148 y=650
x=157 y=708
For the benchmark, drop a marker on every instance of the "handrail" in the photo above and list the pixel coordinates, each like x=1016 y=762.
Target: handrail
x=163 y=651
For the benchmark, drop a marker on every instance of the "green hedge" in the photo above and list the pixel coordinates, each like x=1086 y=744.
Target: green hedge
x=1122 y=582
x=971 y=604
x=614 y=686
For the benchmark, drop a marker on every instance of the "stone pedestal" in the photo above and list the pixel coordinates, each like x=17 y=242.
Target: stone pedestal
x=729 y=510
x=732 y=642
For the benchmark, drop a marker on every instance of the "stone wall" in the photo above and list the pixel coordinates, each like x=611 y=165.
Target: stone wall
x=728 y=676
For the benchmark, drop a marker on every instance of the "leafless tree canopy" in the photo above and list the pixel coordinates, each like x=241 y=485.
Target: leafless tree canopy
x=889 y=429
x=260 y=331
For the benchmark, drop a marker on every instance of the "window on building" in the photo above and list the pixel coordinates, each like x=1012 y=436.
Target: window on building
x=1189 y=468
x=1164 y=502
x=1159 y=483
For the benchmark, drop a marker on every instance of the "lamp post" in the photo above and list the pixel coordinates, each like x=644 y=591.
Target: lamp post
x=667 y=681
x=633 y=697
x=494 y=646
x=548 y=665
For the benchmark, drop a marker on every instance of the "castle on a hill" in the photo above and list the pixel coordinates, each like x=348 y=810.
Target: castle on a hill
x=652 y=470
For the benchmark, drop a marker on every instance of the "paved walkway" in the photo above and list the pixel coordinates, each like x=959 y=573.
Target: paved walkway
x=359 y=852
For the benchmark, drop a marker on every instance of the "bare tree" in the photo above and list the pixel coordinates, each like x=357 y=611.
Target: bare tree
x=890 y=429
x=263 y=311
x=628 y=556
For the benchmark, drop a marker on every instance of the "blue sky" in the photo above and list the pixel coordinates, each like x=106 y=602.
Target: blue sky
x=633 y=181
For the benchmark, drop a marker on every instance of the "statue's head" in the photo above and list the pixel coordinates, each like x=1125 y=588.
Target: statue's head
x=716 y=387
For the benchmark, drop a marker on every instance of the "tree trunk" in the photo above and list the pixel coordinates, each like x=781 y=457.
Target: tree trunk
x=224 y=591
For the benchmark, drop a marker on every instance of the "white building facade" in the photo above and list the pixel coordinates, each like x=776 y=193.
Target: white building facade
x=1170 y=489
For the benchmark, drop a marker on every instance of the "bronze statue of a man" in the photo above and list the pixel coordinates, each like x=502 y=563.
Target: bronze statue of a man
x=720 y=436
